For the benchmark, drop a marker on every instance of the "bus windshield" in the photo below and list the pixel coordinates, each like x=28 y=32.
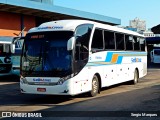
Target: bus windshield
x=46 y=52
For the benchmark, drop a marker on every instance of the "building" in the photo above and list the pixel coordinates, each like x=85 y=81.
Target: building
x=148 y=34
x=19 y=14
x=130 y=28
x=140 y=25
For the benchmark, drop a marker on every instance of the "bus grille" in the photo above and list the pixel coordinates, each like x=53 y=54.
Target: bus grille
x=42 y=83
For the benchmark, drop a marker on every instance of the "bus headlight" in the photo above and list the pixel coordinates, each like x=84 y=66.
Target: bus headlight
x=23 y=80
x=62 y=80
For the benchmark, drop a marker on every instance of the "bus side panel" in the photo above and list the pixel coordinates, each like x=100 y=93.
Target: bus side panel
x=144 y=67
x=81 y=82
x=97 y=65
x=133 y=62
x=124 y=72
x=109 y=75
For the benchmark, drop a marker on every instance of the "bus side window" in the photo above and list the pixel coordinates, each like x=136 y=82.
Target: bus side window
x=136 y=43
x=82 y=41
x=97 y=41
x=129 y=42
x=120 y=41
x=142 y=44
x=109 y=40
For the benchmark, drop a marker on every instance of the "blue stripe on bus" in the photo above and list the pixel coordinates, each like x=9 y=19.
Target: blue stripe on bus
x=119 y=61
x=110 y=55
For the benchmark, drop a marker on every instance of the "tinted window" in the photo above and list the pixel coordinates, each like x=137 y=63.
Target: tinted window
x=142 y=44
x=156 y=52
x=136 y=43
x=129 y=43
x=109 y=40
x=120 y=41
x=97 y=41
x=47 y=52
x=83 y=33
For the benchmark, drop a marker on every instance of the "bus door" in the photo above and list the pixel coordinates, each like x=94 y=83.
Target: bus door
x=81 y=55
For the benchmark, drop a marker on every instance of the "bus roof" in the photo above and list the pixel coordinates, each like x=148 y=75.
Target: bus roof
x=70 y=25
x=6 y=39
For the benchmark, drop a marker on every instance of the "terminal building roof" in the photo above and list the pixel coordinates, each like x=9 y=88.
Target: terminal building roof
x=42 y=9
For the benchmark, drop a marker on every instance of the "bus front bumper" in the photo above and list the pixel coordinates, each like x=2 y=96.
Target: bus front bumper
x=63 y=89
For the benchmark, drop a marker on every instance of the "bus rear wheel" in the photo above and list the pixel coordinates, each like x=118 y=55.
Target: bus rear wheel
x=136 y=77
x=95 y=86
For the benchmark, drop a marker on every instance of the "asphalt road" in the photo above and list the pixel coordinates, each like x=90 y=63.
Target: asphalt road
x=123 y=101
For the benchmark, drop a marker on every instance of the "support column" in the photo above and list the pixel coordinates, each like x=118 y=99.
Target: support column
x=22 y=25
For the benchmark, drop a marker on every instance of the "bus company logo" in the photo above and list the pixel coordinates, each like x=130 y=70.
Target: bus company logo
x=136 y=60
x=98 y=57
x=50 y=27
x=41 y=80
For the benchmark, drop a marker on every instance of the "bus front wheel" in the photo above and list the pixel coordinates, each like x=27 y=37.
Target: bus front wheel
x=95 y=86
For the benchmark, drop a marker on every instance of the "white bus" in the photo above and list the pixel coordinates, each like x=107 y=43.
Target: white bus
x=70 y=57
x=6 y=50
x=155 y=55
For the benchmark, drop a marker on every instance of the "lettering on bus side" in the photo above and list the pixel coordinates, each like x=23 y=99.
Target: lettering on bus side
x=50 y=27
x=98 y=57
x=136 y=60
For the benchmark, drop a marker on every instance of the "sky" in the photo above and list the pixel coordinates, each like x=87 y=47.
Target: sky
x=125 y=10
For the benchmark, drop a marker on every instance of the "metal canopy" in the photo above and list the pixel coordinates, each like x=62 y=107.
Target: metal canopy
x=6 y=39
x=53 y=12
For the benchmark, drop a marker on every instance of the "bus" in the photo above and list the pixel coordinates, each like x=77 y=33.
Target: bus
x=70 y=57
x=155 y=55
x=18 y=41
x=6 y=50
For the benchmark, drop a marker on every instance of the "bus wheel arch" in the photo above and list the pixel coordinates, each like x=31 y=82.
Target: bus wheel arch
x=136 y=76
x=96 y=85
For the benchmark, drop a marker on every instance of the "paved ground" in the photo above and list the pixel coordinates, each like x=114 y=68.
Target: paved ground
x=134 y=101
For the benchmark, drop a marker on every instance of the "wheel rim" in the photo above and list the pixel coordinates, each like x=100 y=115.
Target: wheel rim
x=95 y=85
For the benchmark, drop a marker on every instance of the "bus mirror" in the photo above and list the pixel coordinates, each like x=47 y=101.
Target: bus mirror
x=70 y=43
x=12 y=48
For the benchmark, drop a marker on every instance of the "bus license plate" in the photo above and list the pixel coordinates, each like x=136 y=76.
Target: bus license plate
x=41 y=89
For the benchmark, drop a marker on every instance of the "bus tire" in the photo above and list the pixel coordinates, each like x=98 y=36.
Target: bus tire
x=95 y=86
x=136 y=77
